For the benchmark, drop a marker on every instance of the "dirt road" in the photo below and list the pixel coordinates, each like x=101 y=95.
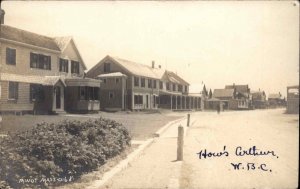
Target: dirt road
x=268 y=130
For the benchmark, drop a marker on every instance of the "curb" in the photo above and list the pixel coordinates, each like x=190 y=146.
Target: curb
x=124 y=163
x=120 y=166
x=164 y=128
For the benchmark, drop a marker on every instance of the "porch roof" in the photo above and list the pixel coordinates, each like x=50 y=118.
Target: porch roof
x=81 y=82
x=43 y=80
x=171 y=93
x=114 y=74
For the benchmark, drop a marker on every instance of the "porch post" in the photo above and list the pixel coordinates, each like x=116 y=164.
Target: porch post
x=181 y=102
x=171 y=101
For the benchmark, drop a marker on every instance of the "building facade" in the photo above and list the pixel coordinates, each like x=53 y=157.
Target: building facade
x=292 y=99
x=275 y=100
x=41 y=74
x=136 y=86
x=259 y=99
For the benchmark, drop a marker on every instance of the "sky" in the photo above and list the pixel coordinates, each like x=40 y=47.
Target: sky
x=212 y=42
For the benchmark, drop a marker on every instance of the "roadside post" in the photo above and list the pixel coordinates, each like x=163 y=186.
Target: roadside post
x=180 y=143
x=188 y=120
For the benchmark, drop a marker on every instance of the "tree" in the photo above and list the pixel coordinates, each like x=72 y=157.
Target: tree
x=210 y=94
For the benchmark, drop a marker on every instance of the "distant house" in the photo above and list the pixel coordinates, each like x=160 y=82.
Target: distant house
x=233 y=97
x=259 y=99
x=242 y=96
x=226 y=96
x=136 y=86
x=275 y=100
x=41 y=74
x=293 y=99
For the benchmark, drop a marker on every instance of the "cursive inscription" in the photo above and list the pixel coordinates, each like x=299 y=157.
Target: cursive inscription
x=206 y=154
x=240 y=152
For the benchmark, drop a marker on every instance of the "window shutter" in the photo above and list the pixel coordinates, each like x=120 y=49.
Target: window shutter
x=7 y=56
x=67 y=66
x=14 y=56
x=49 y=62
x=16 y=90
x=31 y=59
x=60 y=64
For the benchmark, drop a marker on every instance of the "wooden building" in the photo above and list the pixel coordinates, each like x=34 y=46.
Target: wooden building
x=129 y=85
x=292 y=99
x=242 y=96
x=259 y=99
x=275 y=100
x=42 y=74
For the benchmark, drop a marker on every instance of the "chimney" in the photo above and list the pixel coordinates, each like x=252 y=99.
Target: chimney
x=2 y=13
x=153 y=64
x=159 y=66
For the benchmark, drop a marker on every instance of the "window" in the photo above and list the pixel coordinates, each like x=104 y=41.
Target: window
x=82 y=93
x=75 y=67
x=180 y=88
x=117 y=80
x=63 y=65
x=10 y=56
x=104 y=80
x=174 y=87
x=13 y=90
x=40 y=61
x=136 y=81
x=111 y=95
x=149 y=83
x=160 y=85
x=88 y=93
x=142 y=82
x=154 y=84
x=138 y=99
x=106 y=67
x=185 y=89
x=96 y=93
x=168 y=86
x=36 y=93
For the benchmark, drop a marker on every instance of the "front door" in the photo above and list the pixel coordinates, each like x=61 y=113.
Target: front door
x=58 y=97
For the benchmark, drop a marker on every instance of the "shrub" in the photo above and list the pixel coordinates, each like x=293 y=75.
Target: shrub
x=69 y=148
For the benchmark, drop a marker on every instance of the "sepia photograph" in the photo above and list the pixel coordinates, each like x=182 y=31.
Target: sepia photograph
x=149 y=94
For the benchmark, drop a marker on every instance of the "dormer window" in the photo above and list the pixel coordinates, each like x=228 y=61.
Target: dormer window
x=75 y=67
x=63 y=65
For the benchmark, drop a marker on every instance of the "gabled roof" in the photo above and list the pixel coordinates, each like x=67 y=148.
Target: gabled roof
x=257 y=94
x=174 y=78
x=18 y=35
x=63 y=42
x=223 y=93
x=141 y=69
x=238 y=88
x=275 y=96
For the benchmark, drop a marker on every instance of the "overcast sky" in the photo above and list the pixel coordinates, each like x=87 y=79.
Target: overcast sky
x=219 y=42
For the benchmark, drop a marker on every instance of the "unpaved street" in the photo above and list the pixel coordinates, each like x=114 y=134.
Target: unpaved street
x=268 y=130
